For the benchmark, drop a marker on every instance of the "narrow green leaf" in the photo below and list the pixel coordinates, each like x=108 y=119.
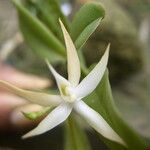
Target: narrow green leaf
x=85 y=22
x=48 y=11
x=75 y=137
x=86 y=33
x=37 y=114
x=35 y=31
x=38 y=46
x=103 y=103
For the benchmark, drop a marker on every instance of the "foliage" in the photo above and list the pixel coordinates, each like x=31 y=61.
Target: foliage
x=102 y=102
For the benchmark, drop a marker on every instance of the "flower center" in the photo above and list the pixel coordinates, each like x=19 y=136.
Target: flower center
x=68 y=94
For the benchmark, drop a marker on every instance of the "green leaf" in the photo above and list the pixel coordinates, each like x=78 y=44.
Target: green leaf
x=37 y=114
x=86 y=33
x=75 y=137
x=85 y=22
x=37 y=35
x=102 y=102
x=48 y=11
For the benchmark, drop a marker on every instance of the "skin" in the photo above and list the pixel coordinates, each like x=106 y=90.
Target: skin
x=11 y=117
x=8 y=103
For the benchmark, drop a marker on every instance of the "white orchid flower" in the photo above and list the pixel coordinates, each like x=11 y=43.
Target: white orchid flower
x=71 y=94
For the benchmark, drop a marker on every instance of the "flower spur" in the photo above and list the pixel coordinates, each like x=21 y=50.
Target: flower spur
x=71 y=94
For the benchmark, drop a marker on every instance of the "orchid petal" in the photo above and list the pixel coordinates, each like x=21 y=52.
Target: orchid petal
x=62 y=83
x=90 y=82
x=96 y=121
x=72 y=58
x=34 y=97
x=56 y=117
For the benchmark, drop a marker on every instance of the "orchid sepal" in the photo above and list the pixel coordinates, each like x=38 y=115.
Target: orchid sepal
x=39 y=98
